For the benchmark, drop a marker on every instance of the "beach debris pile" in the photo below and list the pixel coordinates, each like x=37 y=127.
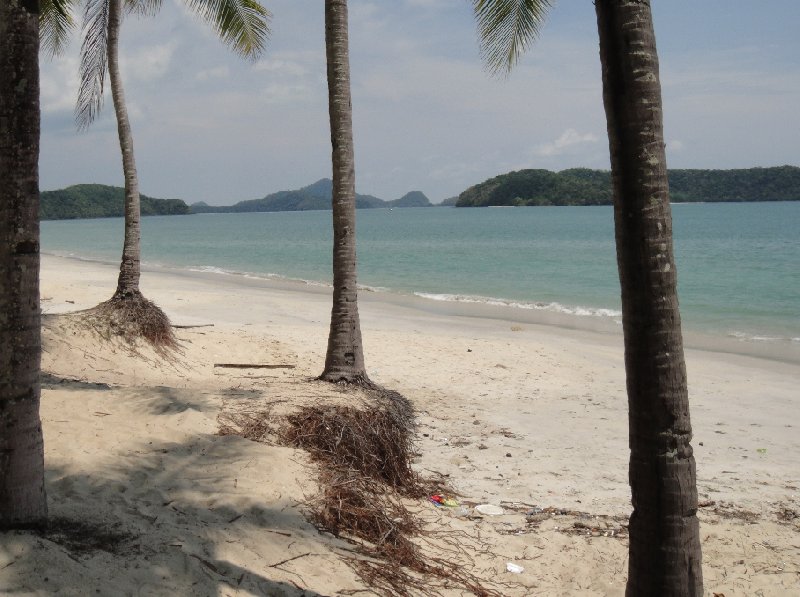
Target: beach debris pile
x=364 y=450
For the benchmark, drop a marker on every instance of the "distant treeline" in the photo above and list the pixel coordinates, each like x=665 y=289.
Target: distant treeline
x=314 y=196
x=581 y=186
x=101 y=201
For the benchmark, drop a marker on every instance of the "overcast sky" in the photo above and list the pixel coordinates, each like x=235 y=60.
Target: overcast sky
x=211 y=127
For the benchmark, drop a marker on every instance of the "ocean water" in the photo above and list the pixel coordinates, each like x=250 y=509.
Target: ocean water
x=738 y=263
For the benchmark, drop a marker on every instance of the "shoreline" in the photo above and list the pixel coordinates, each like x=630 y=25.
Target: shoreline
x=778 y=350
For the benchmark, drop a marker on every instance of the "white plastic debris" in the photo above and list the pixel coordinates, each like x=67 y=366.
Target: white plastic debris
x=489 y=509
x=514 y=568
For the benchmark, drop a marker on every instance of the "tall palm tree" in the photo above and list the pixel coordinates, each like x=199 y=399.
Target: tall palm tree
x=22 y=495
x=344 y=360
x=243 y=25
x=665 y=555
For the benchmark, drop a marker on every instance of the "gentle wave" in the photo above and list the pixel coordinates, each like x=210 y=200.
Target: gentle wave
x=554 y=307
x=212 y=269
x=745 y=337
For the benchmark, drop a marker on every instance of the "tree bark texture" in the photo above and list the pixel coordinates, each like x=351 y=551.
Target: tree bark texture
x=344 y=360
x=665 y=556
x=130 y=266
x=22 y=494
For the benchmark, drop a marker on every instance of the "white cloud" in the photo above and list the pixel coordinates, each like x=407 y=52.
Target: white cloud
x=150 y=62
x=218 y=72
x=284 y=94
x=59 y=84
x=289 y=64
x=568 y=139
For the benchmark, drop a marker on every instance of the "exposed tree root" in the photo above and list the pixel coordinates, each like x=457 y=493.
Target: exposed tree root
x=132 y=318
x=364 y=454
x=357 y=381
x=375 y=440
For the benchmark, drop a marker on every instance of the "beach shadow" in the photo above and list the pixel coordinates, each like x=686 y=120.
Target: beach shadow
x=153 y=400
x=51 y=381
x=167 y=518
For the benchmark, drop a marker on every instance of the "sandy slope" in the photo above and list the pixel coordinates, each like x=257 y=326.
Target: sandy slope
x=515 y=414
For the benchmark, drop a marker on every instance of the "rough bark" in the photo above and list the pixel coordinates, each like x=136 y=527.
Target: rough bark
x=665 y=556
x=22 y=494
x=130 y=268
x=344 y=360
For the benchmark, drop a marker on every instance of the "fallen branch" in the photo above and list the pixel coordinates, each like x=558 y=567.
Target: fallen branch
x=302 y=555
x=188 y=327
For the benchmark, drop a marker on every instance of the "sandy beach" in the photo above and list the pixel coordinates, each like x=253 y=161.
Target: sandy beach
x=529 y=417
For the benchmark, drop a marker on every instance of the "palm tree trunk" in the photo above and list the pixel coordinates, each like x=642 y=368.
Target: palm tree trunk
x=22 y=495
x=665 y=556
x=130 y=268
x=344 y=360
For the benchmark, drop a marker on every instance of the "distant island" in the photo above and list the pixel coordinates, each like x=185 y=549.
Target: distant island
x=576 y=186
x=313 y=197
x=582 y=186
x=101 y=201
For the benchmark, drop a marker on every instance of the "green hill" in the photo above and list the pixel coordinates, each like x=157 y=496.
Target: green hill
x=312 y=197
x=412 y=199
x=101 y=201
x=581 y=186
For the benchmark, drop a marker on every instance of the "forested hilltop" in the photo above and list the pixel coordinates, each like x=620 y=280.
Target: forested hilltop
x=582 y=186
x=312 y=197
x=101 y=201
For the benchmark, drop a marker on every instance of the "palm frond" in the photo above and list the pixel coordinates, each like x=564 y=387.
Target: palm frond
x=241 y=24
x=55 y=24
x=93 y=62
x=144 y=8
x=506 y=29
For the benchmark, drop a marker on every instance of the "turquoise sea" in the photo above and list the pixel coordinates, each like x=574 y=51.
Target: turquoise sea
x=738 y=263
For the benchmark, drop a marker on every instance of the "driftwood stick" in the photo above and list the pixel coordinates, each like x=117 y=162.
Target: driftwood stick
x=302 y=555
x=187 y=327
x=252 y=366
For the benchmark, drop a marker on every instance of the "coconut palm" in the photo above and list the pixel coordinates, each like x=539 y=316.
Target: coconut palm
x=22 y=494
x=241 y=24
x=344 y=360
x=665 y=555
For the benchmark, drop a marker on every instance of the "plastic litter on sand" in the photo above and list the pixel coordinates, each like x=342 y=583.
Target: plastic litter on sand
x=489 y=509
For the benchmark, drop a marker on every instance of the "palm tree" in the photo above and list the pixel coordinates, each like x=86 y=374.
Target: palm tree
x=344 y=360
x=243 y=25
x=22 y=494
x=665 y=555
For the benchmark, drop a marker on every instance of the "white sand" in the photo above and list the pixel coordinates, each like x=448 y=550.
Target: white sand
x=513 y=413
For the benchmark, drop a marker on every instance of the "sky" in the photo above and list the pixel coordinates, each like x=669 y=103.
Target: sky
x=427 y=116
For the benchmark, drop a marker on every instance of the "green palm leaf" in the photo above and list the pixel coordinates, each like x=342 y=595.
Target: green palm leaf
x=55 y=24
x=241 y=24
x=506 y=28
x=93 y=62
x=144 y=8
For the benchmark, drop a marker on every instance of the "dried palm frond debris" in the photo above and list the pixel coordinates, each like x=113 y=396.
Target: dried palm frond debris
x=373 y=438
x=365 y=453
x=256 y=424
